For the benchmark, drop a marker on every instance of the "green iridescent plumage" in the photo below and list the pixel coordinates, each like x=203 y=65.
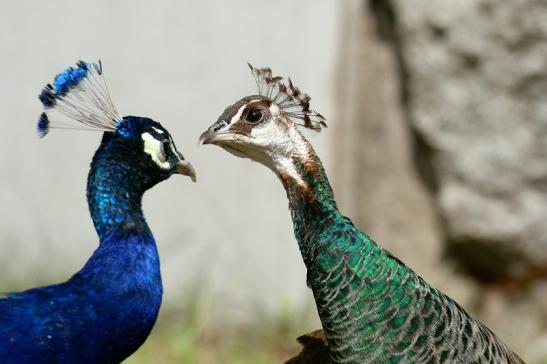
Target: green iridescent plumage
x=373 y=308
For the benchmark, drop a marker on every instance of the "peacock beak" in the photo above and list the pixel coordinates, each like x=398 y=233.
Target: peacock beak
x=185 y=168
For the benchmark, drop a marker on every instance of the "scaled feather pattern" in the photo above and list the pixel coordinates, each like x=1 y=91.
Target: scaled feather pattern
x=373 y=308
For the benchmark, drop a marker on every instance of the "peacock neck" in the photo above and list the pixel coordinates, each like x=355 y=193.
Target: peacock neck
x=114 y=193
x=311 y=199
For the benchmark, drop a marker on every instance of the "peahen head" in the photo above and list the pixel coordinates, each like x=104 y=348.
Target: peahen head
x=264 y=127
x=143 y=144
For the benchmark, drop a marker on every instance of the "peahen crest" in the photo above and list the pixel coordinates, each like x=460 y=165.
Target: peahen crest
x=288 y=97
x=80 y=93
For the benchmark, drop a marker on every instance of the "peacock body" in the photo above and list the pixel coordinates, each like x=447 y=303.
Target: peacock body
x=373 y=308
x=104 y=312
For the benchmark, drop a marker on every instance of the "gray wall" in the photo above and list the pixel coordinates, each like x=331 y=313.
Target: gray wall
x=181 y=63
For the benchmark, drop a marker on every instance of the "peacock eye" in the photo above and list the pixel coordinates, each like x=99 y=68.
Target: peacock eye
x=254 y=117
x=166 y=149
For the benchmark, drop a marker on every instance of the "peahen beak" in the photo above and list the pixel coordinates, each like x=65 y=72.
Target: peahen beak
x=215 y=136
x=185 y=168
x=207 y=137
x=224 y=139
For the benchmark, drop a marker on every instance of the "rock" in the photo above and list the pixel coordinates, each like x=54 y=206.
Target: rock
x=374 y=176
x=452 y=92
x=477 y=80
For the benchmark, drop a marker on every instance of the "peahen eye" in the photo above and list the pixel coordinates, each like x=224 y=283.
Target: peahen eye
x=254 y=117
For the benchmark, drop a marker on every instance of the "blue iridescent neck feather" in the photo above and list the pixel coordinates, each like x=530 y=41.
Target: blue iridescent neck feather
x=115 y=188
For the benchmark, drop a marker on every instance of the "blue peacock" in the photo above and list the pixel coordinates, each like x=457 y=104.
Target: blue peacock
x=372 y=307
x=104 y=312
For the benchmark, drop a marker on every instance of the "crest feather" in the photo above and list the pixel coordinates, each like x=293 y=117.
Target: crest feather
x=80 y=93
x=288 y=97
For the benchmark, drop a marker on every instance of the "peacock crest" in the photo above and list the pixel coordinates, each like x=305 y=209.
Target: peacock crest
x=293 y=102
x=80 y=93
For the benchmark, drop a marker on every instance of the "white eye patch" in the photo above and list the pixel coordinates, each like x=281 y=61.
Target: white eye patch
x=237 y=116
x=153 y=148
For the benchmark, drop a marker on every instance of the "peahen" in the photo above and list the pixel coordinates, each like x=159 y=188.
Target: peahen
x=103 y=313
x=373 y=308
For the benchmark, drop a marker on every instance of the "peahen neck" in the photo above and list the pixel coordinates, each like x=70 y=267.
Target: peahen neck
x=115 y=189
x=311 y=199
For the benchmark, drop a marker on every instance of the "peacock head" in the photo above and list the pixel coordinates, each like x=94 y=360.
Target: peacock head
x=263 y=127
x=81 y=94
x=148 y=146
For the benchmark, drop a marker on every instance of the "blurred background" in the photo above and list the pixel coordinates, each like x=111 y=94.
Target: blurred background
x=436 y=146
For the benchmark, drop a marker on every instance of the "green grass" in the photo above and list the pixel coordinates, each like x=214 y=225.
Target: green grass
x=188 y=336
x=169 y=345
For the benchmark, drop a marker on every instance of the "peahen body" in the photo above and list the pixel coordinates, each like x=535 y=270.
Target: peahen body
x=373 y=308
x=103 y=313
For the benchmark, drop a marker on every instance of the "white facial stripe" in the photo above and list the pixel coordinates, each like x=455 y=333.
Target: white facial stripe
x=152 y=147
x=159 y=131
x=173 y=146
x=237 y=115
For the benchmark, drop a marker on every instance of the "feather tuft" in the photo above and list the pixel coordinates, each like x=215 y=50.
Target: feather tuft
x=43 y=125
x=293 y=102
x=47 y=96
x=68 y=79
x=81 y=94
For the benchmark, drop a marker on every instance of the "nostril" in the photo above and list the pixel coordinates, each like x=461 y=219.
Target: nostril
x=219 y=125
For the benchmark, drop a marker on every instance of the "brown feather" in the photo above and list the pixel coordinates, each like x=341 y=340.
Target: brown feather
x=315 y=349
x=293 y=102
